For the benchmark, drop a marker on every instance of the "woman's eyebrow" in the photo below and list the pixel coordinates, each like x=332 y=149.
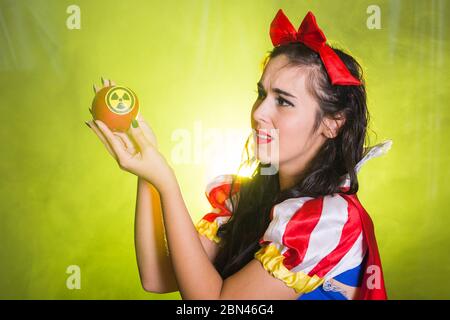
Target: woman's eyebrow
x=277 y=90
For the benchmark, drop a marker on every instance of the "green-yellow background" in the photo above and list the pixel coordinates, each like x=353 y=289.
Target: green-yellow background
x=63 y=199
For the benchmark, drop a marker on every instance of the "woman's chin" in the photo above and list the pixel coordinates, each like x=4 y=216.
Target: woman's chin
x=263 y=159
x=266 y=155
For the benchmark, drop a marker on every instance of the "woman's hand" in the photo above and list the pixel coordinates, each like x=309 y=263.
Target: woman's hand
x=135 y=151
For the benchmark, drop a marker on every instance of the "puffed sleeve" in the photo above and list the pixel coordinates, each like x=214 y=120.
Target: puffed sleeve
x=218 y=194
x=310 y=240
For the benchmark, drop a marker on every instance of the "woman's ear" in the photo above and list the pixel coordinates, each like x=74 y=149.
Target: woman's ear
x=332 y=125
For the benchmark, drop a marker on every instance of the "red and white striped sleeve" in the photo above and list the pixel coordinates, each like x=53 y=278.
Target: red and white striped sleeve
x=310 y=240
x=218 y=195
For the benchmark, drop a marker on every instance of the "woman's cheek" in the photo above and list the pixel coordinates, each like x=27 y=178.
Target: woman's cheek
x=285 y=149
x=291 y=145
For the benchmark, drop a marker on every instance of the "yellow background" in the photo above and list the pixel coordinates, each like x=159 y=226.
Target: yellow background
x=194 y=66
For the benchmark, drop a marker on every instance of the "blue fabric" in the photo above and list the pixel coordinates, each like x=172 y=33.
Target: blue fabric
x=321 y=294
x=352 y=277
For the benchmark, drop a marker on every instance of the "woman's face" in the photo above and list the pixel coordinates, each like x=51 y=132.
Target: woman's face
x=286 y=111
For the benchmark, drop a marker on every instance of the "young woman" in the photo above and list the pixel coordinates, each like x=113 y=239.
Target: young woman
x=296 y=232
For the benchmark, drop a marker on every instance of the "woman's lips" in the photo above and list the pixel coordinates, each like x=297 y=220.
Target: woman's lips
x=262 y=137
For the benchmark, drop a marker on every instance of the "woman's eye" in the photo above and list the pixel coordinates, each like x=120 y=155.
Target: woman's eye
x=280 y=101
x=284 y=103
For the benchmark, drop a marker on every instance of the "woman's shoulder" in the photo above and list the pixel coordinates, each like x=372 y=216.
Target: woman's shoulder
x=218 y=194
x=218 y=190
x=335 y=204
x=294 y=217
x=312 y=239
x=221 y=181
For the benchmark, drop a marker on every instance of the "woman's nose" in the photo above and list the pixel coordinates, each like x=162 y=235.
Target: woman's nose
x=260 y=114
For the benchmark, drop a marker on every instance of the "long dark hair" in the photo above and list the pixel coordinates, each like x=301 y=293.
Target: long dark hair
x=339 y=155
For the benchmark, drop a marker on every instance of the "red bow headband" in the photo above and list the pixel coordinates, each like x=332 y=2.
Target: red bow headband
x=282 y=31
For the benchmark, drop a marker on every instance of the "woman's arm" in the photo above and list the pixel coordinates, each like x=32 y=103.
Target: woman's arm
x=154 y=263
x=196 y=276
x=155 y=266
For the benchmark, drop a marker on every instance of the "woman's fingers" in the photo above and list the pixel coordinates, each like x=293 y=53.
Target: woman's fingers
x=114 y=142
x=149 y=134
x=120 y=139
x=147 y=130
x=105 y=82
x=102 y=138
x=138 y=135
x=94 y=128
x=126 y=142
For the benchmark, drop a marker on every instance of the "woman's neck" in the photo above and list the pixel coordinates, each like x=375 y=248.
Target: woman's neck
x=293 y=171
x=288 y=180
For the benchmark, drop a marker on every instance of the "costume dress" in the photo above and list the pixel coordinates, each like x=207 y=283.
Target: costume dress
x=311 y=241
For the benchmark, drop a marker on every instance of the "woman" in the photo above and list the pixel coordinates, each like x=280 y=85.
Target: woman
x=296 y=229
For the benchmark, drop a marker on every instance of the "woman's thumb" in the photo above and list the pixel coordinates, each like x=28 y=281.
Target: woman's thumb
x=138 y=136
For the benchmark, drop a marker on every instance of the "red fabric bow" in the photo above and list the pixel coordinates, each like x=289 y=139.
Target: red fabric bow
x=282 y=31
